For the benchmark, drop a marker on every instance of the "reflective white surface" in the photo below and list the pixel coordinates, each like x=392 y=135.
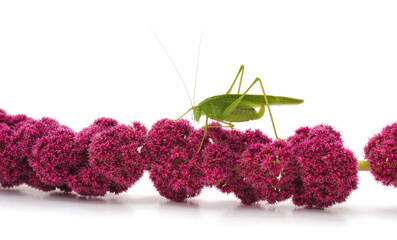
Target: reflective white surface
x=370 y=211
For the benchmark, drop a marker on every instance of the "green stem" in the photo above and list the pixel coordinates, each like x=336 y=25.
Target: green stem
x=363 y=166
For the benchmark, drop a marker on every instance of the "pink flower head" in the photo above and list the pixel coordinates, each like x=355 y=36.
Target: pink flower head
x=237 y=140
x=84 y=137
x=12 y=121
x=4 y=118
x=8 y=167
x=54 y=157
x=178 y=177
x=16 y=121
x=86 y=181
x=20 y=146
x=327 y=172
x=27 y=135
x=175 y=167
x=115 y=153
x=30 y=131
x=34 y=181
x=270 y=168
x=217 y=162
x=381 y=153
x=245 y=192
x=236 y=183
x=6 y=135
x=234 y=180
x=164 y=135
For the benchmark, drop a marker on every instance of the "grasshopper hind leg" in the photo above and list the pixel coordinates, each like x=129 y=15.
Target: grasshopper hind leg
x=241 y=74
x=233 y=106
x=267 y=104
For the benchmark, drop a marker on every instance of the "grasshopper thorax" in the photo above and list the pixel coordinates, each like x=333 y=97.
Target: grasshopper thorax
x=197 y=113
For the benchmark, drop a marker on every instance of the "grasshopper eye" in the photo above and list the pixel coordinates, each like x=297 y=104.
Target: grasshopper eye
x=196 y=109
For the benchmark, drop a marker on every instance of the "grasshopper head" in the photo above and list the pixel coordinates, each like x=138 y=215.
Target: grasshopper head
x=197 y=113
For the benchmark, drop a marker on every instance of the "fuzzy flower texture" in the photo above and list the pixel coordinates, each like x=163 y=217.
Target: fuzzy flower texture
x=312 y=167
x=381 y=153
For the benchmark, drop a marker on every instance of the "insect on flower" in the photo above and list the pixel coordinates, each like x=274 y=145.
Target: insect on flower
x=229 y=108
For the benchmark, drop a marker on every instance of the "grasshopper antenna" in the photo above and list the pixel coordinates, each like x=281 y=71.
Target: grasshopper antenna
x=197 y=67
x=169 y=57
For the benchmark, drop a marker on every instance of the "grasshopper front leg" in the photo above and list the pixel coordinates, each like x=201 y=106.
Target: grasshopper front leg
x=205 y=133
x=229 y=125
x=190 y=109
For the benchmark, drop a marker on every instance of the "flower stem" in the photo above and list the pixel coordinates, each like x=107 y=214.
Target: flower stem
x=363 y=166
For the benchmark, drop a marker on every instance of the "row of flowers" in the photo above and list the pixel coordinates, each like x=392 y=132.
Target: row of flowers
x=312 y=166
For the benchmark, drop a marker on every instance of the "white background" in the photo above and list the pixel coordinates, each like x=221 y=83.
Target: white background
x=76 y=61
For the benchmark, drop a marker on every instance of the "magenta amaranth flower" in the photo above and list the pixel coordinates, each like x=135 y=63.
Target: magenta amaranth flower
x=85 y=180
x=13 y=121
x=25 y=138
x=234 y=181
x=8 y=168
x=6 y=135
x=115 y=153
x=381 y=153
x=164 y=135
x=237 y=140
x=54 y=157
x=88 y=182
x=178 y=177
x=254 y=136
x=19 y=150
x=30 y=131
x=84 y=137
x=327 y=172
x=35 y=182
x=3 y=117
x=175 y=167
x=270 y=168
x=16 y=121
x=245 y=192
x=217 y=162
x=117 y=188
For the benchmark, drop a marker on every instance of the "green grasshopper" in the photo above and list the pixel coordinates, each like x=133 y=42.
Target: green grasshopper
x=228 y=108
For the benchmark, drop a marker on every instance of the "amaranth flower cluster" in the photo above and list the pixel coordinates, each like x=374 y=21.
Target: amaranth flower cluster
x=381 y=153
x=312 y=166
